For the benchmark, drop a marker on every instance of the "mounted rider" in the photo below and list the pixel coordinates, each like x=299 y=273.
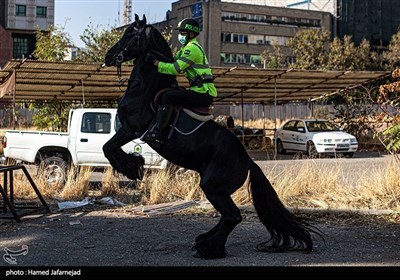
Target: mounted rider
x=192 y=61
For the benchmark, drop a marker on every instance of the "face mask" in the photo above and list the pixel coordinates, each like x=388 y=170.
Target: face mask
x=182 y=39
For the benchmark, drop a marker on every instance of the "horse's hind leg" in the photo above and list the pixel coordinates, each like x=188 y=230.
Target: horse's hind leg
x=211 y=245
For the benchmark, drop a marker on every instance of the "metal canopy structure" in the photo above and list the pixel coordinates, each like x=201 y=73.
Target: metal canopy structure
x=41 y=80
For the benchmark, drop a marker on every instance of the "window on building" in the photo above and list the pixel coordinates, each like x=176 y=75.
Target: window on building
x=234 y=38
x=222 y=57
x=20 y=47
x=226 y=37
x=41 y=12
x=240 y=58
x=242 y=38
x=20 y=10
x=255 y=59
x=232 y=58
x=294 y=22
x=23 y=45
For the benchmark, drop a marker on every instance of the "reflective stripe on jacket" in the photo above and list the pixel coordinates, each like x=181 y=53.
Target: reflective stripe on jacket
x=192 y=61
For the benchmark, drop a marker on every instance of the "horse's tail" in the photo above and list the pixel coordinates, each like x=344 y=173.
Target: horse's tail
x=287 y=231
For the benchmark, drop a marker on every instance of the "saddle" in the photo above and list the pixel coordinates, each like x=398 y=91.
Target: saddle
x=200 y=113
x=185 y=120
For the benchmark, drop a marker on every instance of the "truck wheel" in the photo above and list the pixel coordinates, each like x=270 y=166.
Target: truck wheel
x=54 y=171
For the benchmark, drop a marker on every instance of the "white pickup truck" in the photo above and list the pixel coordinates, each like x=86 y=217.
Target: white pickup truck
x=88 y=130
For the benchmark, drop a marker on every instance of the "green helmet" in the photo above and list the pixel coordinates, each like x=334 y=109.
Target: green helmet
x=189 y=24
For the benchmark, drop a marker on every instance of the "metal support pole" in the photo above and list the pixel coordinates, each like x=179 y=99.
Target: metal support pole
x=14 y=115
x=276 y=115
x=242 y=106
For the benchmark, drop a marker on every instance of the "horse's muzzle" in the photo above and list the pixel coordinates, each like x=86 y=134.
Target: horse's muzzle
x=110 y=60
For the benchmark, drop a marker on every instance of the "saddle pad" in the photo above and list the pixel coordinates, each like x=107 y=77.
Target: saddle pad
x=197 y=116
x=188 y=122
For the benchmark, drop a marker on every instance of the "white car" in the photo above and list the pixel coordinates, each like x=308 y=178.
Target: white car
x=314 y=137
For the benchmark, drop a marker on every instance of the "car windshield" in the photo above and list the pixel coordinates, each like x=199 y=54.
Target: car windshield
x=314 y=126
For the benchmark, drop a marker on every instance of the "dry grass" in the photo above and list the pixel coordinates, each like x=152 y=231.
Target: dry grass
x=321 y=185
x=77 y=185
x=160 y=186
x=307 y=184
x=24 y=190
x=110 y=186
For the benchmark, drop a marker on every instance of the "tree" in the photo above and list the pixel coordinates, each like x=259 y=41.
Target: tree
x=167 y=33
x=345 y=56
x=52 y=44
x=274 y=57
x=364 y=59
x=309 y=47
x=97 y=42
x=389 y=99
x=353 y=112
x=392 y=55
x=51 y=115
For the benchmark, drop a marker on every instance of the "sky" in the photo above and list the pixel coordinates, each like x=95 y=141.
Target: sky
x=74 y=16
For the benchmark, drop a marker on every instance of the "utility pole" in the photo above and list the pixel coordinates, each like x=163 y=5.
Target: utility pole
x=127 y=11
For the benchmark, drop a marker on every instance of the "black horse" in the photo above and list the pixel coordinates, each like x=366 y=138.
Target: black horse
x=211 y=150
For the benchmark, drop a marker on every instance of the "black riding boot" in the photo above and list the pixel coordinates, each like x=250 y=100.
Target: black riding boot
x=154 y=137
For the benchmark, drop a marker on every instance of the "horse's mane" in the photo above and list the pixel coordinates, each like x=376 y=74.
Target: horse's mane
x=160 y=48
x=161 y=44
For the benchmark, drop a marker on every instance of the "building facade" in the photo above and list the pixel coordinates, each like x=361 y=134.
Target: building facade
x=236 y=33
x=374 y=20
x=18 y=21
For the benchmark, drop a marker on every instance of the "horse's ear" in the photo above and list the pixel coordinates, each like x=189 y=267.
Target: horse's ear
x=144 y=20
x=137 y=18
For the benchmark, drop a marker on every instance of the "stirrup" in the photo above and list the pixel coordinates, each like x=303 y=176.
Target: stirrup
x=153 y=138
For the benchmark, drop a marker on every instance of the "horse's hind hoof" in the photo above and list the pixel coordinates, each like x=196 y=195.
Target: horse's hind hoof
x=196 y=254
x=208 y=253
x=202 y=237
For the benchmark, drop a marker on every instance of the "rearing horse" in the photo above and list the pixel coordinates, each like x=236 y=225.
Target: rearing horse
x=211 y=150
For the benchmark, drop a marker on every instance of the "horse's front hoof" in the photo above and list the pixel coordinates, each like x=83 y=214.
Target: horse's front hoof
x=207 y=253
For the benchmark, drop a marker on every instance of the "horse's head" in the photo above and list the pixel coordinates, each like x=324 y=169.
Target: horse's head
x=137 y=40
x=130 y=44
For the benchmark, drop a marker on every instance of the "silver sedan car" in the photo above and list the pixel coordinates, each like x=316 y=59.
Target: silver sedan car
x=314 y=137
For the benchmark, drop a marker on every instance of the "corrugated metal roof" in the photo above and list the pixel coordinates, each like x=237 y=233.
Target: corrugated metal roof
x=75 y=81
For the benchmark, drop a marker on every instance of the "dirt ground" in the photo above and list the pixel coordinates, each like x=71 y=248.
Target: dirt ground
x=109 y=236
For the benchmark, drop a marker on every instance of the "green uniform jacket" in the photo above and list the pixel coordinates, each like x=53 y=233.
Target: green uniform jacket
x=192 y=61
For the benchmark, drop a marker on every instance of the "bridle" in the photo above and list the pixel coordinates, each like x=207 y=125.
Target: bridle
x=120 y=56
